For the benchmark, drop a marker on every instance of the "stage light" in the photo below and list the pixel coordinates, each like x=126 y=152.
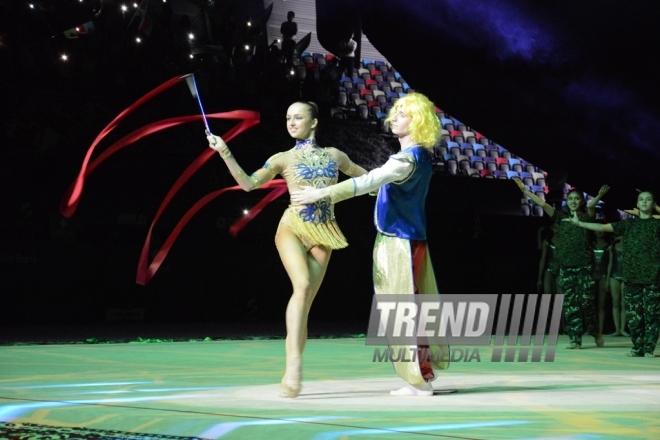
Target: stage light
x=245 y=212
x=192 y=56
x=249 y=23
x=31 y=6
x=135 y=5
x=64 y=57
x=247 y=47
x=138 y=40
x=124 y=8
x=293 y=72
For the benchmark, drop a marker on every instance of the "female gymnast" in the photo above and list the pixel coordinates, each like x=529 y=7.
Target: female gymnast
x=307 y=233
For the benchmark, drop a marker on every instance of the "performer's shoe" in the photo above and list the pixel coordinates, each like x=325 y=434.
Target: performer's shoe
x=649 y=355
x=616 y=334
x=424 y=389
x=633 y=354
x=574 y=346
x=290 y=386
x=626 y=334
x=600 y=340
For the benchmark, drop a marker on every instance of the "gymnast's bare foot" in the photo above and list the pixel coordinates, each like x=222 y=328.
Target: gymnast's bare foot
x=290 y=386
x=424 y=389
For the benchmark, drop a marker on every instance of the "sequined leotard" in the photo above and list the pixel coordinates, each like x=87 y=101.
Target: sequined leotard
x=313 y=224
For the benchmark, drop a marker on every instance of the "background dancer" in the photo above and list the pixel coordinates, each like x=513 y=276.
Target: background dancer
x=402 y=264
x=575 y=274
x=601 y=259
x=641 y=270
x=307 y=233
x=617 y=286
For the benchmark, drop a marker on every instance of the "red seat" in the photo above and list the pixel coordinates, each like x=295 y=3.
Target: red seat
x=365 y=92
x=501 y=160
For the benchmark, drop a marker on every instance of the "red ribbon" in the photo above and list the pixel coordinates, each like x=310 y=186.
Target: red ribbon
x=247 y=120
x=146 y=271
x=72 y=197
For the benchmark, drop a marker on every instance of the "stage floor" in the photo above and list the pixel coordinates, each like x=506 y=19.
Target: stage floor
x=228 y=390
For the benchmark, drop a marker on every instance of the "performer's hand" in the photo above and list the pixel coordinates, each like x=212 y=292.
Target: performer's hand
x=308 y=195
x=520 y=184
x=603 y=190
x=216 y=143
x=574 y=220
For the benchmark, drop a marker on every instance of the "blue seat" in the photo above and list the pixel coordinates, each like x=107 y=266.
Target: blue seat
x=477 y=147
x=512 y=174
x=380 y=63
x=474 y=159
x=446 y=121
x=513 y=161
x=448 y=156
x=397 y=75
x=524 y=174
x=366 y=61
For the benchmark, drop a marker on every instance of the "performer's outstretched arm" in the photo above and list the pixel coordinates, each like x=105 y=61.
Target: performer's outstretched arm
x=591 y=206
x=536 y=199
x=248 y=183
x=394 y=170
x=607 y=227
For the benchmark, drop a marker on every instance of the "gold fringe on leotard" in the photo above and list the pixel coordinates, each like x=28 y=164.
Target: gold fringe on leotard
x=325 y=233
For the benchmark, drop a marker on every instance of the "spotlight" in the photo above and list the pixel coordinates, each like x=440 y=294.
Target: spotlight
x=191 y=36
x=191 y=56
x=138 y=39
x=245 y=212
x=247 y=47
x=124 y=8
x=64 y=57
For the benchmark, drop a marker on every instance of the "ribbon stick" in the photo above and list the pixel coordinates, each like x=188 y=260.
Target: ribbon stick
x=247 y=119
x=192 y=85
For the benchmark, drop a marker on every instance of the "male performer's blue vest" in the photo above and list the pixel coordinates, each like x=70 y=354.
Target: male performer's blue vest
x=401 y=206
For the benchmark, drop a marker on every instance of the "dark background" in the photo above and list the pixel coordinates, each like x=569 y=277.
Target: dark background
x=568 y=85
